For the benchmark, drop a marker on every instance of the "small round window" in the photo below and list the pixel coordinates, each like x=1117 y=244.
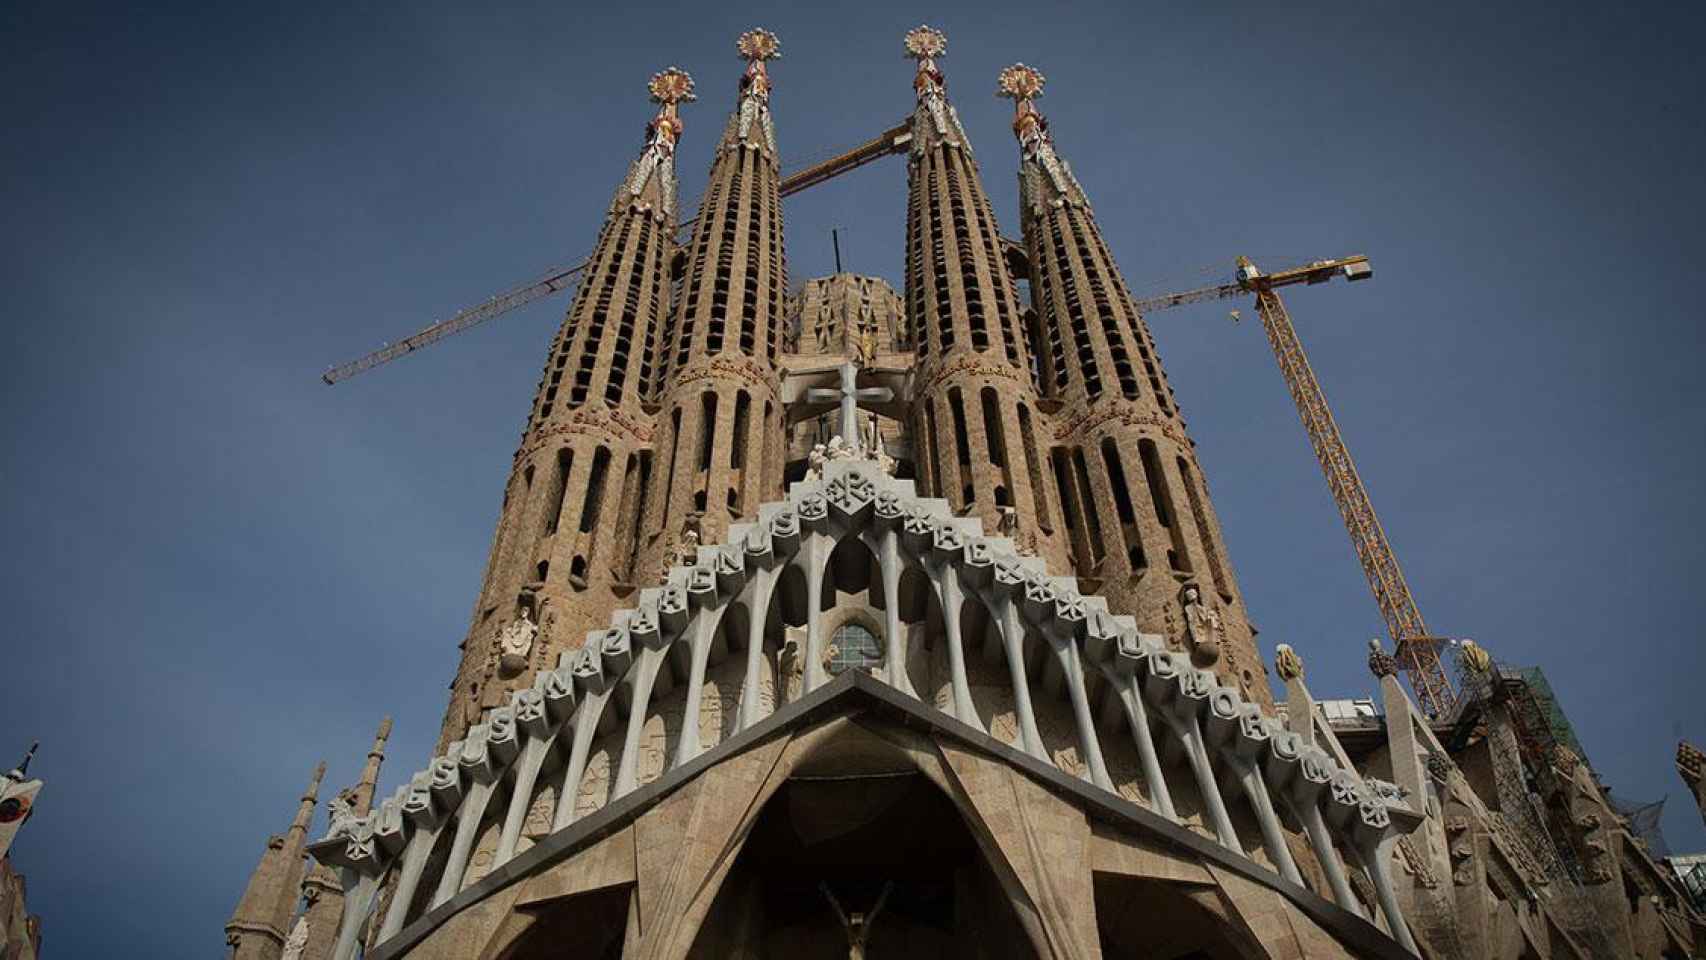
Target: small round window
x=854 y=646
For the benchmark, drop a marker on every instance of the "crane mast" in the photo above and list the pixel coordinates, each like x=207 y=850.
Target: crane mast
x=1416 y=650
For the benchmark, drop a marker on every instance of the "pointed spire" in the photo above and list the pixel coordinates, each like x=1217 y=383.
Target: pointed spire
x=305 y=813
x=23 y=767
x=655 y=166
x=934 y=120
x=257 y=928
x=1044 y=178
x=362 y=792
x=757 y=47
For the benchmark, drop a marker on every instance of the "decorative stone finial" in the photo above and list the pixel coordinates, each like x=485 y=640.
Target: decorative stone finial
x=671 y=86
x=1287 y=663
x=1020 y=83
x=925 y=42
x=1381 y=663
x=1475 y=656
x=759 y=44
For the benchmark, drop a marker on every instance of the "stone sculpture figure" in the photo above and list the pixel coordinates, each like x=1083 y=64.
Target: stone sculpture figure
x=873 y=439
x=1203 y=627
x=297 y=941
x=815 y=461
x=857 y=925
x=515 y=643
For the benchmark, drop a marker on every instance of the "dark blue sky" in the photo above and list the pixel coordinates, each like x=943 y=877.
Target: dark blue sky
x=218 y=570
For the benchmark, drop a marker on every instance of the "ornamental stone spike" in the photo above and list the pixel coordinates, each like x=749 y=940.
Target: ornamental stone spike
x=362 y=792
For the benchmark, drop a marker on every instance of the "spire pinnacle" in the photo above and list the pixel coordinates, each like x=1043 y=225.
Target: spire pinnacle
x=313 y=791
x=1052 y=183
x=310 y=796
x=23 y=767
x=379 y=738
x=1022 y=84
x=934 y=121
x=669 y=88
x=925 y=43
x=757 y=47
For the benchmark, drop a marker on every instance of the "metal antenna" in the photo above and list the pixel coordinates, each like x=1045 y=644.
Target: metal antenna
x=835 y=238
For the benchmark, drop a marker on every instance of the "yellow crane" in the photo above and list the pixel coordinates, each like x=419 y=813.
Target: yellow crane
x=1417 y=650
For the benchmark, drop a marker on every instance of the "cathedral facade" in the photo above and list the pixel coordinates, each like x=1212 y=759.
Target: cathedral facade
x=831 y=620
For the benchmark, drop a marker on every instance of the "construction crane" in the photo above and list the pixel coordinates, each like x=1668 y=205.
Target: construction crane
x=891 y=141
x=1417 y=651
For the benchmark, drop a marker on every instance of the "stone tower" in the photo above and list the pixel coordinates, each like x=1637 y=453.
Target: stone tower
x=257 y=928
x=719 y=419
x=564 y=550
x=1136 y=509
x=975 y=418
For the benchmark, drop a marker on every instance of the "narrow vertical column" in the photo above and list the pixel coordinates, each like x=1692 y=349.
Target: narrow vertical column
x=1267 y=819
x=895 y=638
x=1066 y=651
x=814 y=557
x=359 y=891
x=758 y=595
x=1012 y=627
x=703 y=632
x=1130 y=692
x=595 y=689
x=948 y=580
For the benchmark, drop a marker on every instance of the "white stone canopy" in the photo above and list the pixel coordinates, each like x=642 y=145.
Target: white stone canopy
x=1186 y=727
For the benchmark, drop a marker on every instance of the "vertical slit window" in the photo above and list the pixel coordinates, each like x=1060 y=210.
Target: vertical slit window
x=940 y=482
x=1200 y=515
x=1086 y=495
x=1071 y=509
x=1176 y=556
x=1129 y=529
x=1033 y=470
x=707 y=428
x=669 y=476
x=737 y=449
x=595 y=490
x=559 y=487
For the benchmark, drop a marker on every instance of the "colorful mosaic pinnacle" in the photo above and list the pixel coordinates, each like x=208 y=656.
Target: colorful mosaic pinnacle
x=925 y=42
x=673 y=85
x=1019 y=82
x=759 y=44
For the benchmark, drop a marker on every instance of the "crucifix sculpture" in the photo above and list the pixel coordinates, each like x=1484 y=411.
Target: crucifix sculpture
x=848 y=396
x=857 y=925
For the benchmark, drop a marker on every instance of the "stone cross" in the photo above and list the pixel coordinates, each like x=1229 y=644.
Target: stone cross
x=848 y=396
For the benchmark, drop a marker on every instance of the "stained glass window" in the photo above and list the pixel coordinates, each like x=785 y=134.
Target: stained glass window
x=854 y=646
